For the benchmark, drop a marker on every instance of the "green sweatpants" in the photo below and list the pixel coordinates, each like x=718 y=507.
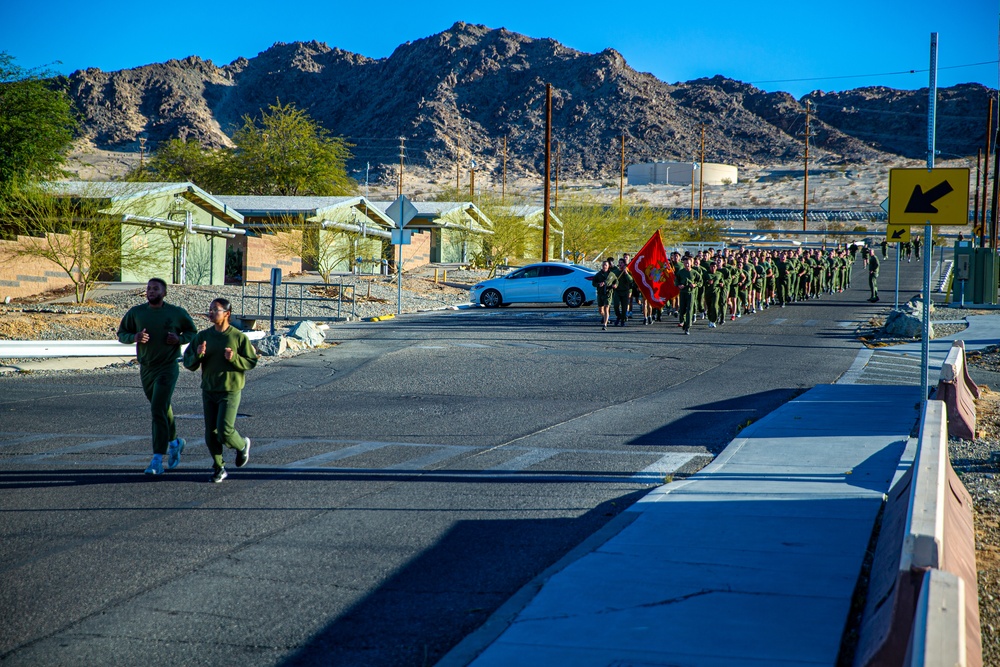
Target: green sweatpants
x=220 y=409
x=158 y=385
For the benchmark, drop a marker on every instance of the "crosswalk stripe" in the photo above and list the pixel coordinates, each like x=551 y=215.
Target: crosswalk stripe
x=347 y=452
x=779 y=320
x=526 y=460
x=443 y=453
x=668 y=463
x=427 y=455
x=76 y=449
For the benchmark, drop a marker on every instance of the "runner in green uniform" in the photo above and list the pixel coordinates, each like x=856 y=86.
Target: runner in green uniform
x=224 y=354
x=158 y=330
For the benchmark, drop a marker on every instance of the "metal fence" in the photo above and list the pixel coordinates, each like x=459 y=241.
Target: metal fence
x=296 y=301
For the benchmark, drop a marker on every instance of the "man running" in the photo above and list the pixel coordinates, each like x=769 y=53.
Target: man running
x=158 y=330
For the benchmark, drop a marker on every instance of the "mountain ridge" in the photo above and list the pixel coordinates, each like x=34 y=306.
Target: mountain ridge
x=456 y=94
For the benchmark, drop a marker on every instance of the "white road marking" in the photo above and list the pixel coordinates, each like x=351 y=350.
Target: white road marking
x=524 y=461
x=426 y=455
x=668 y=463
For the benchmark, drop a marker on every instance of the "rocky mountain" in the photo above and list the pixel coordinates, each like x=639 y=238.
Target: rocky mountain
x=456 y=95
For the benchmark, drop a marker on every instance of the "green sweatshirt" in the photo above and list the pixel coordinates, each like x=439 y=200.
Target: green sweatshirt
x=157 y=322
x=218 y=374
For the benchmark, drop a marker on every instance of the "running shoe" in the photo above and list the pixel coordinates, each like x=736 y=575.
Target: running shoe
x=155 y=466
x=218 y=474
x=174 y=450
x=243 y=455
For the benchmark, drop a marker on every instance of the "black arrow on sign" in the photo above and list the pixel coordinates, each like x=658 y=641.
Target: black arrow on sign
x=923 y=202
x=898 y=233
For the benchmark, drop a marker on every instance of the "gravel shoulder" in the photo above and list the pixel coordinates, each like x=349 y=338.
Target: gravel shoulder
x=977 y=463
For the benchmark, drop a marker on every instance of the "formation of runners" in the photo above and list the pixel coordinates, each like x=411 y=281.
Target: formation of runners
x=723 y=285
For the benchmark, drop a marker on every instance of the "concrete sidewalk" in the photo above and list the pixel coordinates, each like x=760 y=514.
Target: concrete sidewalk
x=983 y=331
x=752 y=561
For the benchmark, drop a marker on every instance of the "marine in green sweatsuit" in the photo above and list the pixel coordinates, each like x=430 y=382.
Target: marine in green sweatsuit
x=224 y=354
x=687 y=280
x=873 y=277
x=158 y=330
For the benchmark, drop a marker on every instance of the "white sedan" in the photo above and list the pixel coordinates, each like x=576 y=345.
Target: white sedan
x=546 y=282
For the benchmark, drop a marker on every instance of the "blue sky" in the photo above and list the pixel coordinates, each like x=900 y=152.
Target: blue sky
x=774 y=45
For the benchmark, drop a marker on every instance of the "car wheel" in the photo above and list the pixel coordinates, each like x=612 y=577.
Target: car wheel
x=491 y=298
x=573 y=297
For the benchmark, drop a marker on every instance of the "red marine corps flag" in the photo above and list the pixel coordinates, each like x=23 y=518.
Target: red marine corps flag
x=652 y=272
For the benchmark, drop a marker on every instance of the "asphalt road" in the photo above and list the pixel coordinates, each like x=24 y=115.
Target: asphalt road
x=403 y=484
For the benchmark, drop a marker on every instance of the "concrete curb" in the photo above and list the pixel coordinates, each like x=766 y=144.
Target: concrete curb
x=65 y=364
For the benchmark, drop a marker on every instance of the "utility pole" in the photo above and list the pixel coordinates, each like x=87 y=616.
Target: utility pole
x=993 y=203
x=928 y=231
x=503 y=187
x=805 y=180
x=555 y=204
x=142 y=151
x=402 y=152
x=701 y=177
x=975 y=205
x=621 y=178
x=548 y=168
x=693 y=163
x=472 y=181
x=986 y=172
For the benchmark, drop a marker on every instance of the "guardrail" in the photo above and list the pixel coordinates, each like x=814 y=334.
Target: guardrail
x=45 y=349
x=915 y=614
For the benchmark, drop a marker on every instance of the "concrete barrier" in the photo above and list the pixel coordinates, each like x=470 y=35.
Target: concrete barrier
x=47 y=349
x=926 y=526
x=938 y=637
x=957 y=390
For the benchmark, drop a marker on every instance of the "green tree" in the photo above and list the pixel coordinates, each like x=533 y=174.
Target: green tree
x=589 y=228
x=288 y=153
x=36 y=125
x=285 y=152
x=704 y=230
x=178 y=160
x=509 y=230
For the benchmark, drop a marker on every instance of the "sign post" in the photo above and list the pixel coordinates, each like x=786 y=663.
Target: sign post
x=275 y=282
x=897 y=234
x=929 y=197
x=401 y=212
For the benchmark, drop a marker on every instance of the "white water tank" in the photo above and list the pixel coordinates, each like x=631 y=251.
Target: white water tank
x=680 y=173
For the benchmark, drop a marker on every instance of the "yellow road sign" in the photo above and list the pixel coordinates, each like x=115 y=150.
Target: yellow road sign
x=897 y=234
x=928 y=197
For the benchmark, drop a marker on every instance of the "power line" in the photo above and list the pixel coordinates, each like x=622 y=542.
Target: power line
x=862 y=76
x=853 y=109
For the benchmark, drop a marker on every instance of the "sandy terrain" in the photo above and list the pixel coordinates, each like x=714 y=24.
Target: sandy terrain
x=858 y=187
